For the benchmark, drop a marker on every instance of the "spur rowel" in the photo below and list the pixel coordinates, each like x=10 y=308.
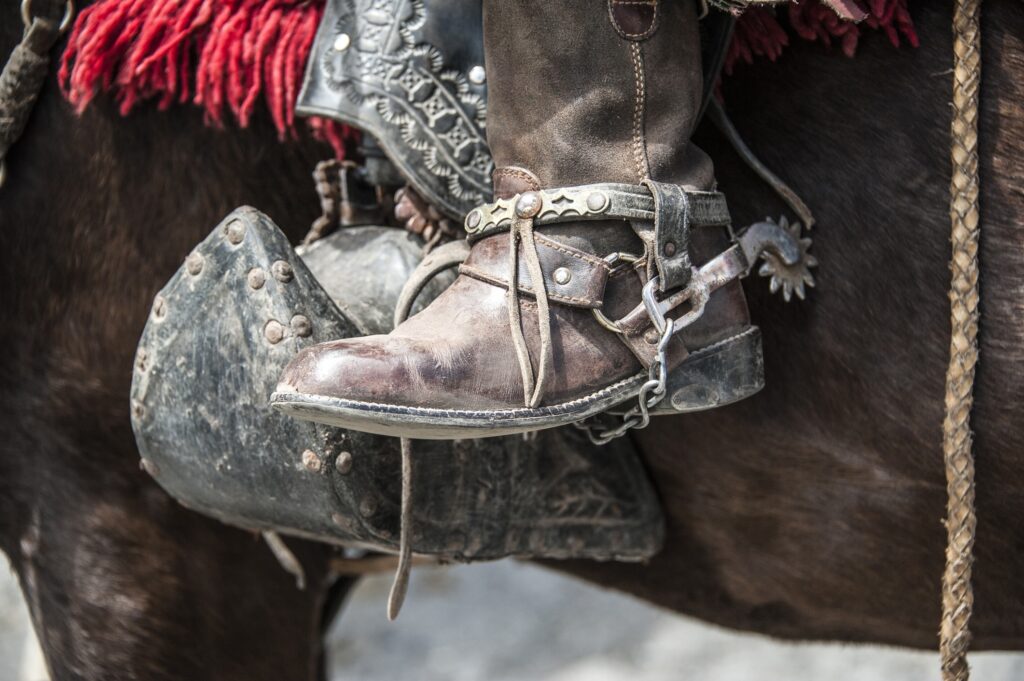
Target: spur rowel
x=221 y=331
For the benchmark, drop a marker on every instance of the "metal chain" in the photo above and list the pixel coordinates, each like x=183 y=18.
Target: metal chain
x=651 y=393
x=653 y=390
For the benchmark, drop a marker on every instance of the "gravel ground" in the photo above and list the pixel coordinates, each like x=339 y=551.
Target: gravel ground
x=512 y=622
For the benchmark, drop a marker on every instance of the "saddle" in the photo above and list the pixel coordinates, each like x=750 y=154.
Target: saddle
x=219 y=334
x=410 y=73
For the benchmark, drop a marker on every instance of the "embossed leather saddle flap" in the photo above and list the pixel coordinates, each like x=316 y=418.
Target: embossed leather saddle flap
x=219 y=335
x=410 y=73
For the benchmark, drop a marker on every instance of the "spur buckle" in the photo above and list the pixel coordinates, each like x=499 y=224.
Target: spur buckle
x=696 y=292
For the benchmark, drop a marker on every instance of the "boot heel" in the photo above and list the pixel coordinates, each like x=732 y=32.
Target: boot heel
x=719 y=374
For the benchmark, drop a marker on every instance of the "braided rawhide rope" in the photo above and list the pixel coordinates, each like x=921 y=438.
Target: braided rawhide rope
x=957 y=593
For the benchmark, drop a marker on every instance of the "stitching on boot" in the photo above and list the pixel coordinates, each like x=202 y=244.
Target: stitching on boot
x=634 y=36
x=526 y=412
x=584 y=257
x=529 y=177
x=639 y=145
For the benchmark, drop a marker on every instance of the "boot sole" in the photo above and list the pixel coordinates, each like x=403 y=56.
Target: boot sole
x=716 y=375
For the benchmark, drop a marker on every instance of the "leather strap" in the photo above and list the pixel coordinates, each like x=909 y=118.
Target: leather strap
x=603 y=201
x=571 y=277
x=441 y=258
x=714 y=274
x=670 y=246
x=661 y=214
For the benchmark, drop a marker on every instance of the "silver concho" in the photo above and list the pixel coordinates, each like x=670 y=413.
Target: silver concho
x=398 y=70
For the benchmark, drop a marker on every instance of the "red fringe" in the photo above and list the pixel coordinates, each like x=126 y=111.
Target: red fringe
x=225 y=54
x=221 y=54
x=759 y=34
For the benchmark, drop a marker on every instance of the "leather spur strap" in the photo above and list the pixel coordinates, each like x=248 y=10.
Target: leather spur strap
x=602 y=201
x=675 y=210
x=661 y=214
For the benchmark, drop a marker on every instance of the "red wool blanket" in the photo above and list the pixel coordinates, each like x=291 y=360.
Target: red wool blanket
x=230 y=56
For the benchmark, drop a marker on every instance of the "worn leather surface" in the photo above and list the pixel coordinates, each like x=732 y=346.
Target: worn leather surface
x=587 y=274
x=512 y=180
x=671 y=243
x=458 y=353
x=572 y=102
x=401 y=70
x=561 y=100
x=206 y=364
x=577 y=124
x=445 y=162
x=609 y=201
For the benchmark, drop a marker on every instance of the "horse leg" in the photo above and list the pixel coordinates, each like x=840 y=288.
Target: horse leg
x=123 y=583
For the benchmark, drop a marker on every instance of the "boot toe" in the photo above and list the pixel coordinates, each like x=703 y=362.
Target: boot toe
x=358 y=369
x=389 y=370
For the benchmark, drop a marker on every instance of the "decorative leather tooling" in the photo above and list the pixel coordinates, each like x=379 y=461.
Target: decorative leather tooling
x=410 y=73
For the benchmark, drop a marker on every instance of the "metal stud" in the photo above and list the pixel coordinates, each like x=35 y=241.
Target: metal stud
x=478 y=75
x=473 y=220
x=311 y=461
x=194 y=263
x=367 y=507
x=343 y=463
x=301 y=326
x=528 y=205
x=597 y=201
x=342 y=42
x=273 y=331
x=159 y=309
x=344 y=523
x=562 y=275
x=256 y=278
x=235 y=231
x=282 y=271
x=670 y=249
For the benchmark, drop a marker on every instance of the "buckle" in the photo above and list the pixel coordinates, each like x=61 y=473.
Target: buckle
x=697 y=293
x=613 y=259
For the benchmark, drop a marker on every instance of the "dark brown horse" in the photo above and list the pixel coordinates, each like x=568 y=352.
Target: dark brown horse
x=812 y=510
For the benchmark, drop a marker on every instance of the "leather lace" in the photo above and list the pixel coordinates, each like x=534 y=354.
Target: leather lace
x=533 y=384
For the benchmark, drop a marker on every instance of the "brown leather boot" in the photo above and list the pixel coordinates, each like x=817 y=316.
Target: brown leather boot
x=601 y=276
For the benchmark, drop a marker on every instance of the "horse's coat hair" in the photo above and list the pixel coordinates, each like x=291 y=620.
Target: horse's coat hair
x=122 y=582
x=810 y=511
x=814 y=509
